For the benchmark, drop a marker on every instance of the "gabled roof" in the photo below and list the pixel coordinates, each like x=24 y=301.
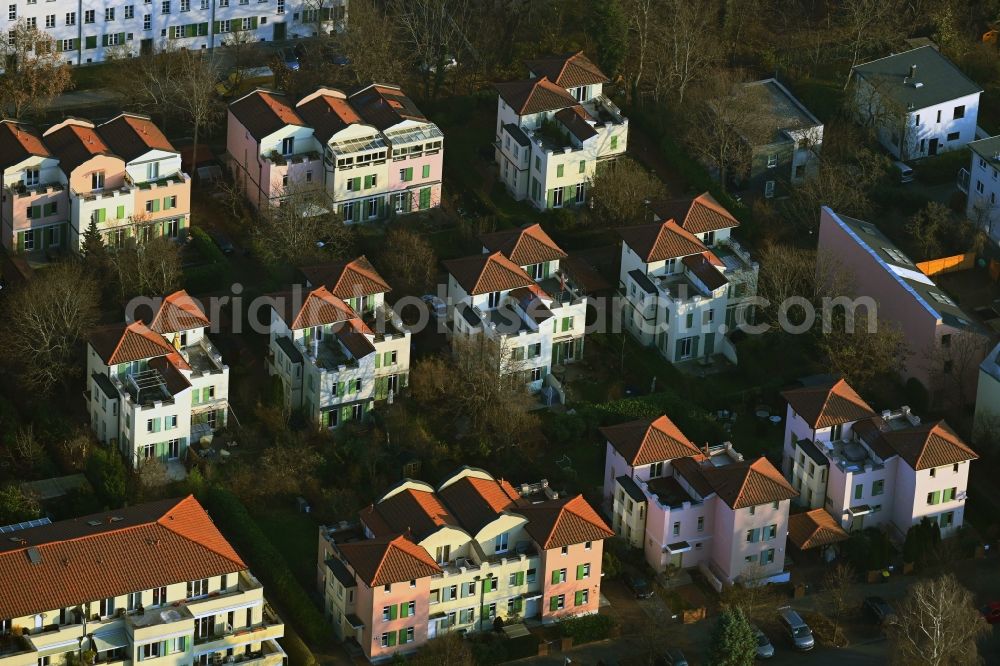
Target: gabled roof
x=74 y=143
x=120 y=343
x=564 y=522
x=929 y=445
x=526 y=246
x=534 y=96
x=387 y=560
x=383 y=106
x=412 y=511
x=941 y=81
x=814 y=529
x=661 y=241
x=347 y=280
x=827 y=405
x=354 y=336
x=327 y=111
x=698 y=216
x=179 y=312
x=574 y=119
x=476 y=501
x=703 y=267
x=571 y=70
x=131 y=136
x=19 y=141
x=647 y=441
x=744 y=484
x=486 y=273
x=318 y=308
x=135 y=548
x=263 y=112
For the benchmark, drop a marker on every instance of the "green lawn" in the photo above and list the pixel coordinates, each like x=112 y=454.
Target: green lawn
x=295 y=535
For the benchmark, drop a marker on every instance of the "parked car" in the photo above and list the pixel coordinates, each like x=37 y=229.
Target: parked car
x=764 y=648
x=799 y=633
x=289 y=59
x=878 y=609
x=247 y=79
x=672 y=657
x=904 y=172
x=222 y=240
x=640 y=586
x=991 y=612
x=436 y=305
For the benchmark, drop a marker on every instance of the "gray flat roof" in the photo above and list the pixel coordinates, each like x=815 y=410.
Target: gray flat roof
x=940 y=80
x=291 y=351
x=810 y=450
x=340 y=572
x=643 y=281
x=987 y=148
x=787 y=113
x=517 y=134
x=631 y=487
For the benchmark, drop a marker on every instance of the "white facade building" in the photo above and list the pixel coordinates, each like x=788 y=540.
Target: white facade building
x=918 y=101
x=873 y=469
x=554 y=128
x=85 y=32
x=981 y=182
x=683 y=279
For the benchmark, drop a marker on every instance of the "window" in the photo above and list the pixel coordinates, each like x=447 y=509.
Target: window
x=150 y=651
x=185 y=5
x=558 y=576
x=878 y=487
x=941 y=298
x=934 y=497
x=532 y=574
x=772 y=161
x=947 y=519
x=70 y=19
x=406 y=635
x=97 y=181
x=107 y=607
x=443 y=554
x=88 y=16
x=32 y=22
x=959 y=111
x=581 y=192
x=12 y=12
x=954 y=468
x=859 y=491
x=467 y=616
x=538 y=163
x=933 y=471
x=557 y=602
x=557 y=197
x=147 y=22
x=753 y=535
x=50 y=21
x=388 y=613
x=582 y=597
x=954 y=136
x=159 y=596
x=152 y=170
x=197 y=588
x=769 y=189
x=372 y=207
x=770 y=532
x=165 y=7
x=129 y=12
x=701 y=523
x=501 y=543
x=677 y=529
x=425 y=172
x=109 y=14
x=406 y=175
x=767 y=557
x=980 y=187
x=133 y=601
x=948 y=494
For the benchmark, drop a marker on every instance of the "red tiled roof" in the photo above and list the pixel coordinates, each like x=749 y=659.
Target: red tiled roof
x=19 y=141
x=568 y=71
x=476 y=501
x=119 y=343
x=526 y=246
x=384 y=106
x=179 y=312
x=661 y=241
x=263 y=113
x=131 y=136
x=534 y=96
x=646 y=441
x=387 y=560
x=414 y=511
x=698 y=216
x=327 y=111
x=929 y=445
x=74 y=143
x=828 y=405
x=813 y=529
x=347 y=280
x=142 y=547
x=563 y=522
x=320 y=307
x=744 y=484
x=353 y=334
x=483 y=274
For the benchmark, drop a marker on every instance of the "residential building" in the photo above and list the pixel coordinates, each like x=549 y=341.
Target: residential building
x=123 y=174
x=944 y=344
x=371 y=155
x=981 y=182
x=868 y=468
x=519 y=297
x=429 y=561
x=335 y=344
x=90 y=32
x=791 y=153
x=684 y=279
x=918 y=102
x=154 y=389
x=151 y=581
x=988 y=391
x=554 y=128
x=687 y=507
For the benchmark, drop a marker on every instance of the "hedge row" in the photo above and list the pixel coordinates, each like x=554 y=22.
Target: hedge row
x=266 y=563
x=489 y=649
x=298 y=652
x=213 y=273
x=587 y=629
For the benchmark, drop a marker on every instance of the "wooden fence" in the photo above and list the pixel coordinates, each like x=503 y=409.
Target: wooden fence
x=958 y=262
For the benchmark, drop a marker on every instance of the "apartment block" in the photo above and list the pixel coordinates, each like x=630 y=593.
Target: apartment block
x=919 y=102
x=371 y=155
x=426 y=561
x=981 y=182
x=684 y=279
x=689 y=507
x=154 y=389
x=154 y=581
x=123 y=175
x=517 y=295
x=335 y=344
x=868 y=468
x=554 y=128
x=88 y=31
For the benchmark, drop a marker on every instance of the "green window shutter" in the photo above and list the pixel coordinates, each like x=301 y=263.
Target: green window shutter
x=36 y=212
x=404 y=609
x=202 y=29
x=104 y=40
x=579 y=572
x=166 y=203
x=102 y=214
x=408 y=175
x=76 y=43
x=425 y=198
x=553 y=603
x=392 y=638
x=20 y=241
x=614 y=143
x=518 y=604
x=253 y=26
x=555 y=577
x=388 y=358
x=484 y=612
x=550 y=198
x=426 y=173
x=345 y=413
x=392 y=612
x=578 y=598
x=487 y=585
x=121 y=37
x=519 y=578
x=216 y=27
x=583 y=166
x=121 y=212
x=559 y=171
x=91 y=42
x=378 y=361
x=156 y=205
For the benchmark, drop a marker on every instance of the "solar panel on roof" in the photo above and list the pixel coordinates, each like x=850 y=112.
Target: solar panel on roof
x=38 y=522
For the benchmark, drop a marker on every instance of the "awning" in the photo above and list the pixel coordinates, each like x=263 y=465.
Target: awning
x=515 y=630
x=109 y=640
x=860 y=510
x=679 y=547
x=354 y=621
x=61 y=648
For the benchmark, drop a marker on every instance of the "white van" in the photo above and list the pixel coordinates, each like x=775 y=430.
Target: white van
x=905 y=172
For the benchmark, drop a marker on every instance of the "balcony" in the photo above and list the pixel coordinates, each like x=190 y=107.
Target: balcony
x=386 y=324
x=174 y=179
x=104 y=193
x=229 y=638
x=203 y=358
x=561 y=288
x=734 y=256
x=604 y=111
x=277 y=159
x=19 y=190
x=328 y=353
x=144 y=389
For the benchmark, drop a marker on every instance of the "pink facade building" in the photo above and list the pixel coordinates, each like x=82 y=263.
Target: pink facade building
x=426 y=561
x=371 y=155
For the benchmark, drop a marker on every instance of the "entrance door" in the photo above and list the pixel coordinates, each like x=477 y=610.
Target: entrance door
x=146 y=47
x=279 y=31
x=531 y=607
x=932 y=147
x=709 y=344
x=432 y=628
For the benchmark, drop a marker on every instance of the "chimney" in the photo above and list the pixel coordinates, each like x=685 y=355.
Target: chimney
x=913 y=72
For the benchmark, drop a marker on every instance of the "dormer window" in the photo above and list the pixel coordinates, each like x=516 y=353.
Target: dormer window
x=836 y=431
x=494 y=299
x=288 y=145
x=656 y=470
x=97 y=181
x=152 y=171
x=31 y=177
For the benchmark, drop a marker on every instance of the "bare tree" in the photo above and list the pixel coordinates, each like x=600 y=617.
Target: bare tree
x=642 y=17
x=432 y=31
x=954 y=366
x=926 y=226
x=748 y=594
x=147 y=83
x=867 y=25
x=24 y=450
x=241 y=47
x=46 y=320
x=146 y=267
x=838 y=582
x=372 y=56
x=408 y=260
x=936 y=625
x=33 y=73
x=451 y=649
x=196 y=99
x=842 y=186
x=691 y=42
x=864 y=349
x=787 y=272
x=621 y=190
x=300 y=227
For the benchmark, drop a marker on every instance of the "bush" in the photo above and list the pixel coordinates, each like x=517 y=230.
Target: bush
x=587 y=629
x=106 y=473
x=266 y=563
x=214 y=272
x=297 y=651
